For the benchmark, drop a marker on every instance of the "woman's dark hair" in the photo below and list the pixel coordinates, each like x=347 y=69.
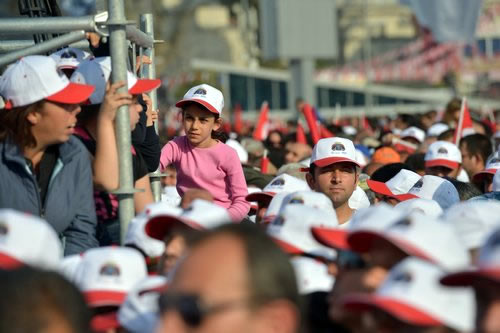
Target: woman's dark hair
x=15 y=126
x=217 y=135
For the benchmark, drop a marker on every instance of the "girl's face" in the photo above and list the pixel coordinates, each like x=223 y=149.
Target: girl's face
x=198 y=124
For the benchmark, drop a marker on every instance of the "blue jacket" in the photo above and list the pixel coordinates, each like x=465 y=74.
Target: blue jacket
x=69 y=202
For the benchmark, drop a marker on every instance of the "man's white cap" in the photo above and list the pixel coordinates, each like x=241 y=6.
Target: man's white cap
x=488 y=265
x=69 y=266
x=69 y=57
x=291 y=229
x=434 y=188
x=360 y=158
x=492 y=165
x=34 y=78
x=418 y=235
x=139 y=312
x=425 y=206
x=412 y=293
x=436 y=129
x=312 y=275
x=170 y=196
x=242 y=153
x=200 y=215
x=107 y=274
x=496 y=182
x=333 y=150
x=312 y=199
x=373 y=218
x=358 y=199
x=27 y=240
x=209 y=97
x=274 y=207
x=281 y=183
x=97 y=71
x=413 y=132
x=474 y=221
x=136 y=233
x=443 y=153
x=400 y=184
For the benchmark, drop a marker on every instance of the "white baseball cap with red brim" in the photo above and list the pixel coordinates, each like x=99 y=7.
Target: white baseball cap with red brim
x=333 y=150
x=107 y=274
x=69 y=57
x=492 y=165
x=97 y=72
x=487 y=266
x=413 y=132
x=444 y=154
x=312 y=275
x=412 y=293
x=427 y=207
x=281 y=183
x=209 y=97
x=436 y=129
x=434 y=188
x=35 y=78
x=312 y=199
x=274 y=207
x=400 y=184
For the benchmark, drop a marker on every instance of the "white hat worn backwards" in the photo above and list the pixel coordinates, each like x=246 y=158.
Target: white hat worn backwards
x=97 y=72
x=400 y=184
x=418 y=235
x=291 y=230
x=412 y=293
x=35 y=78
x=27 y=240
x=443 y=153
x=209 y=97
x=312 y=275
x=281 y=183
x=488 y=265
x=413 y=132
x=333 y=150
x=437 y=129
x=69 y=57
x=492 y=165
x=474 y=221
x=139 y=312
x=434 y=188
x=425 y=206
x=107 y=274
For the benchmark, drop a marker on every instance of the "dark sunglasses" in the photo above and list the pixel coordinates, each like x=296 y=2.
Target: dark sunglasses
x=191 y=307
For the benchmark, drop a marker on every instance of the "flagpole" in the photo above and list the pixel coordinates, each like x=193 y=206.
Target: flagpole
x=460 y=122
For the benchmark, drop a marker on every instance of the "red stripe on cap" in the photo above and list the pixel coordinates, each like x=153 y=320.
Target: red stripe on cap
x=287 y=247
x=73 y=93
x=481 y=174
x=105 y=322
x=336 y=238
x=323 y=162
x=8 y=262
x=207 y=105
x=144 y=85
x=470 y=277
x=379 y=187
x=97 y=298
x=442 y=162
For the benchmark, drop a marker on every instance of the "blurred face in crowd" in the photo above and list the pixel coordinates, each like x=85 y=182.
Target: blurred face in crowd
x=442 y=171
x=198 y=124
x=471 y=163
x=384 y=254
x=337 y=181
x=296 y=152
x=175 y=248
x=488 y=306
x=274 y=139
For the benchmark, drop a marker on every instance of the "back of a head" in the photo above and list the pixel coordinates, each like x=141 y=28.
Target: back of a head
x=416 y=162
x=388 y=171
x=465 y=191
x=34 y=301
x=293 y=169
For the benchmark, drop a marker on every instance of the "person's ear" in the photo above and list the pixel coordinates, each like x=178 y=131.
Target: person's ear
x=33 y=117
x=217 y=124
x=279 y=316
x=310 y=180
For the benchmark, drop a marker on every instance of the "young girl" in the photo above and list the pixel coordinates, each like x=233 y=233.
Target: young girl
x=201 y=160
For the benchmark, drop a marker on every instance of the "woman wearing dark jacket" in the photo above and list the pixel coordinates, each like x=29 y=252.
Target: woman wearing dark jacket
x=44 y=170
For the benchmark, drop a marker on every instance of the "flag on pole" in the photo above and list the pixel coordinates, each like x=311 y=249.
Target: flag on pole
x=307 y=110
x=238 y=121
x=300 y=135
x=264 y=162
x=464 y=126
x=325 y=133
x=262 y=128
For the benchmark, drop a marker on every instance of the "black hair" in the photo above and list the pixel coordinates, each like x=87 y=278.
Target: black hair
x=465 y=190
x=446 y=135
x=477 y=144
x=416 y=161
x=388 y=171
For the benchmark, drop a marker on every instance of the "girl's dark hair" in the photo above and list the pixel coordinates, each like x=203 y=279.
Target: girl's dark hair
x=88 y=112
x=15 y=126
x=217 y=135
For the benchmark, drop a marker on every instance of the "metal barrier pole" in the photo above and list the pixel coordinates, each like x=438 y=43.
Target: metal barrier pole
x=14 y=45
x=149 y=71
x=48 y=24
x=44 y=47
x=118 y=50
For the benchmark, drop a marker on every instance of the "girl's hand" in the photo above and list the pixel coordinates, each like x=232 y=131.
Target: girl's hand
x=145 y=61
x=113 y=100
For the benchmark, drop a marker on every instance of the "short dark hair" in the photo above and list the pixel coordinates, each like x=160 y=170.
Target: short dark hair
x=446 y=135
x=478 y=144
x=15 y=126
x=33 y=298
x=416 y=161
x=388 y=171
x=465 y=190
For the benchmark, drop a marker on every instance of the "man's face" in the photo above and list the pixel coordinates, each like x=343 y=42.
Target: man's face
x=469 y=162
x=337 y=181
x=296 y=152
x=488 y=306
x=442 y=171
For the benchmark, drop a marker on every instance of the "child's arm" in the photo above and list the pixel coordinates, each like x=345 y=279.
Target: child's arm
x=239 y=206
x=142 y=199
x=169 y=154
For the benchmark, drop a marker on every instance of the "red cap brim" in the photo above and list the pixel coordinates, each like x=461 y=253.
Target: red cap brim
x=398 y=309
x=468 y=278
x=207 y=105
x=8 y=262
x=335 y=238
x=105 y=322
x=260 y=196
x=97 y=298
x=481 y=174
x=443 y=163
x=406 y=196
x=379 y=187
x=144 y=86
x=287 y=247
x=159 y=226
x=74 y=93
x=332 y=160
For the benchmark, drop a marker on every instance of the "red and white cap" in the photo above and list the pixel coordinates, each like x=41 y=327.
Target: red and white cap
x=413 y=132
x=209 y=97
x=107 y=274
x=97 y=72
x=427 y=207
x=291 y=230
x=27 y=240
x=139 y=312
x=281 y=183
x=274 y=207
x=312 y=275
x=400 y=184
x=474 y=221
x=492 y=165
x=69 y=57
x=333 y=150
x=35 y=78
x=443 y=153
x=412 y=293
x=420 y=236
x=312 y=199
x=375 y=218
x=69 y=266
x=434 y=188
x=487 y=267
x=358 y=199
x=200 y=215
x=436 y=129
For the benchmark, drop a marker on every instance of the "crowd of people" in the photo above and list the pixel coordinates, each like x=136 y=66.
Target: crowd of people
x=380 y=225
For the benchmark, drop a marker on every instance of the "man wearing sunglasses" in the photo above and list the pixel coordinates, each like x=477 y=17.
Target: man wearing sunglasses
x=234 y=279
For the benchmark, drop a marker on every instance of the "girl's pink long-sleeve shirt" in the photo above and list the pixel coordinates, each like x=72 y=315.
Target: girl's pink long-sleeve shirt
x=216 y=169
